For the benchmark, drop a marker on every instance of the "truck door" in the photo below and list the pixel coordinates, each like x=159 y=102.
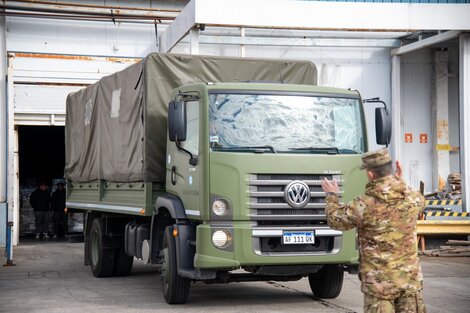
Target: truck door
x=183 y=178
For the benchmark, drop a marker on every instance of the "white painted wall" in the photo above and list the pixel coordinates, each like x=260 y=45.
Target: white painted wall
x=417 y=74
x=80 y=37
x=416 y=71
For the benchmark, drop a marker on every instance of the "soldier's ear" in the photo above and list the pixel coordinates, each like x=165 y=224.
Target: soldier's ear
x=370 y=175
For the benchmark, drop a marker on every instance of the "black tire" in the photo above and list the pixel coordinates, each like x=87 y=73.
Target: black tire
x=327 y=282
x=101 y=257
x=175 y=287
x=122 y=263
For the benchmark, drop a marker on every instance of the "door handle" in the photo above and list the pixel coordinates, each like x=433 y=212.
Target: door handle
x=173 y=175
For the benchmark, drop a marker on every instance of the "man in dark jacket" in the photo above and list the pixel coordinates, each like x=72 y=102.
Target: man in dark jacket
x=59 y=217
x=40 y=201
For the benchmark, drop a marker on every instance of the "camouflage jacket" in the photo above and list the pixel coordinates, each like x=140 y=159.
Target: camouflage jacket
x=385 y=218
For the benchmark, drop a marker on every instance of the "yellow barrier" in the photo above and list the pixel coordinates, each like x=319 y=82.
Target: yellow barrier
x=448 y=214
x=438 y=227
x=443 y=202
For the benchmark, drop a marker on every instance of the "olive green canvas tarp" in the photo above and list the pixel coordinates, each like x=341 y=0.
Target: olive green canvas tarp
x=116 y=129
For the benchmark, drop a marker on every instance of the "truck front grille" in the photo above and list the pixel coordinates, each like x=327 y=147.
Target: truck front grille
x=267 y=200
x=290 y=211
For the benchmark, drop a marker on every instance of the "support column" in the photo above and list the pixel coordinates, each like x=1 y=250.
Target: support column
x=3 y=135
x=194 y=41
x=12 y=192
x=464 y=103
x=440 y=108
x=397 y=121
x=15 y=174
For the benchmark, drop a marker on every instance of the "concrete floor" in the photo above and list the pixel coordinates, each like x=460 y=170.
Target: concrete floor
x=49 y=276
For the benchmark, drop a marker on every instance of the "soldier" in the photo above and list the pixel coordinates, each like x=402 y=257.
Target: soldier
x=385 y=218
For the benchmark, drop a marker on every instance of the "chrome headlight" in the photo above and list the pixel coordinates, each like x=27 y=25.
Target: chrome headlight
x=220 y=207
x=222 y=238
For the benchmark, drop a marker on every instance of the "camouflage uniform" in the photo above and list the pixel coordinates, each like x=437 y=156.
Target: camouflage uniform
x=385 y=218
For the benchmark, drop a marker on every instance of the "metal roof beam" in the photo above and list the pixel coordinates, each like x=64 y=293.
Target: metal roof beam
x=420 y=44
x=180 y=27
x=309 y=15
x=300 y=42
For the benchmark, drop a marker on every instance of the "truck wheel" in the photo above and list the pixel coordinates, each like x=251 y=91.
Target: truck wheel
x=327 y=282
x=101 y=258
x=122 y=263
x=175 y=287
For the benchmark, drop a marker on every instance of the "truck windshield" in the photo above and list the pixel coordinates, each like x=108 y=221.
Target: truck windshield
x=266 y=123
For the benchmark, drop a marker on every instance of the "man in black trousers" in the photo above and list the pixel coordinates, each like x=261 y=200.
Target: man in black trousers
x=59 y=217
x=40 y=201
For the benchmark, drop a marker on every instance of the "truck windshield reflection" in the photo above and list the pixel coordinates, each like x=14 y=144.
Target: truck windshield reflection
x=264 y=123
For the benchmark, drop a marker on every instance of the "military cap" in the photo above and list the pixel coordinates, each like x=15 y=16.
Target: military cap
x=375 y=158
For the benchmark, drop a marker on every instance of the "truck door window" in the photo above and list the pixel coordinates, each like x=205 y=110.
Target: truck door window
x=192 y=137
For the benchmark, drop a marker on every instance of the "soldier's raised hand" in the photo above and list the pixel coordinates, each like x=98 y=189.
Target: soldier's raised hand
x=399 y=171
x=329 y=186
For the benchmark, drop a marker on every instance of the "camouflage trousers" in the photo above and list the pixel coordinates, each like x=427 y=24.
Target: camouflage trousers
x=413 y=304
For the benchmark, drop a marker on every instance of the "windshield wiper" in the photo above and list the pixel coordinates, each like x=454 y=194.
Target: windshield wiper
x=255 y=149
x=328 y=150
x=348 y=151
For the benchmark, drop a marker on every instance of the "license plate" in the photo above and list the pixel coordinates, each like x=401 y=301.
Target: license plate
x=297 y=238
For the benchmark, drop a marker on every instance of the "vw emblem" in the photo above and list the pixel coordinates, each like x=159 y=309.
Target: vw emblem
x=297 y=194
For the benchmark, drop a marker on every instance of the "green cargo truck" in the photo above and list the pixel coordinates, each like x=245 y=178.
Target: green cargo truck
x=211 y=167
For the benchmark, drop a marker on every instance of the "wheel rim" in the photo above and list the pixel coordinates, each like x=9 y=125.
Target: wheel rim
x=94 y=248
x=165 y=268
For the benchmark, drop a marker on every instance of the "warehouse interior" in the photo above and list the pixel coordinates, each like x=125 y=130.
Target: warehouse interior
x=49 y=57
x=41 y=154
x=41 y=158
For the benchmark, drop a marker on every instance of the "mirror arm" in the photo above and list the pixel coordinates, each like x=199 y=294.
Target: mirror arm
x=192 y=159
x=376 y=100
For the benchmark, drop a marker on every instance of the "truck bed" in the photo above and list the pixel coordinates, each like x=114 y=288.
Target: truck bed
x=135 y=198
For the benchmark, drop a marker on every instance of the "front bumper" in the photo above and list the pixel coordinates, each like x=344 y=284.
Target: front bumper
x=255 y=246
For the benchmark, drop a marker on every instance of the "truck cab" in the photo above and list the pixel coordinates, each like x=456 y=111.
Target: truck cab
x=245 y=161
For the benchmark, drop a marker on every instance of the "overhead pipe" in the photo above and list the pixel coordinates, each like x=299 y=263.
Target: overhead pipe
x=91 y=6
x=111 y=12
x=109 y=18
x=73 y=11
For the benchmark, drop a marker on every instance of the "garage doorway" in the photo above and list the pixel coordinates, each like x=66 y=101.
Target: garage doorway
x=41 y=156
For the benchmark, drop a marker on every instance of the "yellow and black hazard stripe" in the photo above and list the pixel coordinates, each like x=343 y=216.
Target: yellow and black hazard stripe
x=443 y=202
x=448 y=214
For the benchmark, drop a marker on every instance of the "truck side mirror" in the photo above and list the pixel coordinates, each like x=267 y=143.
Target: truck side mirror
x=383 y=126
x=177 y=120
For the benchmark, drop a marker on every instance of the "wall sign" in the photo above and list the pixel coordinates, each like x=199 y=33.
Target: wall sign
x=408 y=137
x=423 y=138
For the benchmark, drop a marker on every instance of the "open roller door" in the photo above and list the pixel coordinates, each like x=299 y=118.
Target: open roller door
x=38 y=85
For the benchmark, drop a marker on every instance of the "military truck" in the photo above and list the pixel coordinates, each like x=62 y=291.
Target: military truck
x=211 y=168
